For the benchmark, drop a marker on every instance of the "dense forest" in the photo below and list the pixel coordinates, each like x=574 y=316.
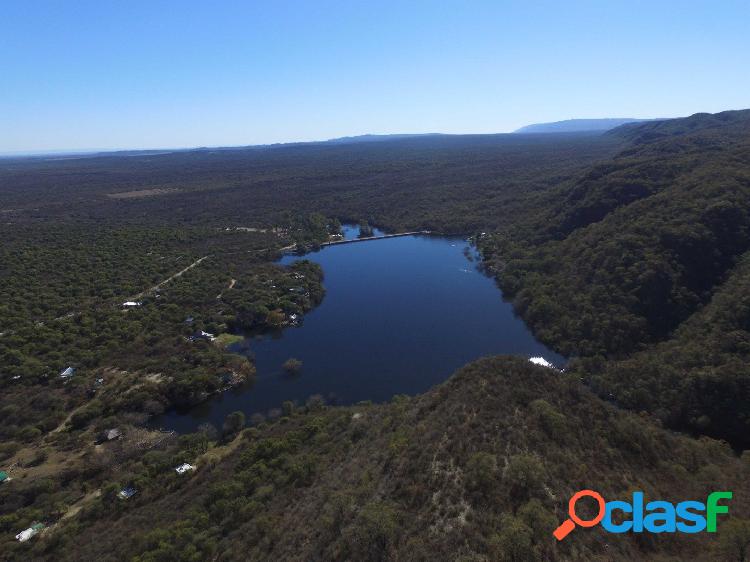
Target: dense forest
x=627 y=251
x=618 y=260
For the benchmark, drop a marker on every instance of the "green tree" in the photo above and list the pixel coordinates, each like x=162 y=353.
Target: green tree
x=233 y=423
x=734 y=542
x=292 y=366
x=513 y=543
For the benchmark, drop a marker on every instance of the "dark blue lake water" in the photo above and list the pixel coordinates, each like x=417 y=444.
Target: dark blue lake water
x=399 y=316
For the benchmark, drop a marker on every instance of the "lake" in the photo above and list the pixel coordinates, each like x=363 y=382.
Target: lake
x=400 y=315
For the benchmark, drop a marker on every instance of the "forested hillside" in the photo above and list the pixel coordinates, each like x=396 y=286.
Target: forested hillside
x=478 y=469
x=620 y=258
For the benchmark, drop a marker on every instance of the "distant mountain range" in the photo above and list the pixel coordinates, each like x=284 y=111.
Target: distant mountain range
x=580 y=125
x=375 y=138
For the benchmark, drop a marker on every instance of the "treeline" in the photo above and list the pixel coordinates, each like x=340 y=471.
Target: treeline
x=450 y=184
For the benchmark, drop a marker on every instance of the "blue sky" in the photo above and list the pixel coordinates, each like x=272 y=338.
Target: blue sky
x=115 y=74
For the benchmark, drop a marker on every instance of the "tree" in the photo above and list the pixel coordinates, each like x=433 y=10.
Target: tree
x=524 y=476
x=275 y=318
x=514 y=541
x=233 y=423
x=365 y=230
x=734 y=543
x=209 y=430
x=287 y=407
x=373 y=531
x=292 y=366
x=481 y=473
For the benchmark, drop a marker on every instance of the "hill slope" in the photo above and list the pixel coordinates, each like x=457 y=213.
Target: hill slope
x=480 y=468
x=616 y=260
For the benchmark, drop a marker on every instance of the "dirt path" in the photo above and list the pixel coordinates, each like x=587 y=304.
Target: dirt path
x=229 y=288
x=76 y=507
x=168 y=279
x=60 y=427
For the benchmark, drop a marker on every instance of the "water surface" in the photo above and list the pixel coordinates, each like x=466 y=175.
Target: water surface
x=399 y=316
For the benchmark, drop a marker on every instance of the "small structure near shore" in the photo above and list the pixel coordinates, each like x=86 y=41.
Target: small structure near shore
x=201 y=335
x=183 y=468
x=32 y=531
x=109 y=435
x=542 y=362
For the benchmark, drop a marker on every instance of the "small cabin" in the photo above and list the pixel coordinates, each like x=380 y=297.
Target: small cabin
x=109 y=435
x=183 y=468
x=201 y=335
x=4 y=477
x=67 y=373
x=32 y=531
x=131 y=304
x=541 y=361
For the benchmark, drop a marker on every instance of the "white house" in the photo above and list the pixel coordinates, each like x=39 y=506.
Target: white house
x=542 y=362
x=67 y=373
x=25 y=535
x=201 y=335
x=183 y=468
x=129 y=304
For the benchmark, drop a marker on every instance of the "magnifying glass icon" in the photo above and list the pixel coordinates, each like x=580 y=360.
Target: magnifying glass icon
x=569 y=524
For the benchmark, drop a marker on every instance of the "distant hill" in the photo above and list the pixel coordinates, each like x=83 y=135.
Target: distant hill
x=376 y=138
x=578 y=125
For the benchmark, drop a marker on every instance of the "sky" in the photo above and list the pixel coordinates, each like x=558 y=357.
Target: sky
x=110 y=74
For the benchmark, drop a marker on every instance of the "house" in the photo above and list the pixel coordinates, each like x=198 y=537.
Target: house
x=131 y=304
x=293 y=318
x=109 y=435
x=4 y=477
x=126 y=493
x=201 y=335
x=542 y=362
x=183 y=468
x=67 y=373
x=189 y=320
x=23 y=536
